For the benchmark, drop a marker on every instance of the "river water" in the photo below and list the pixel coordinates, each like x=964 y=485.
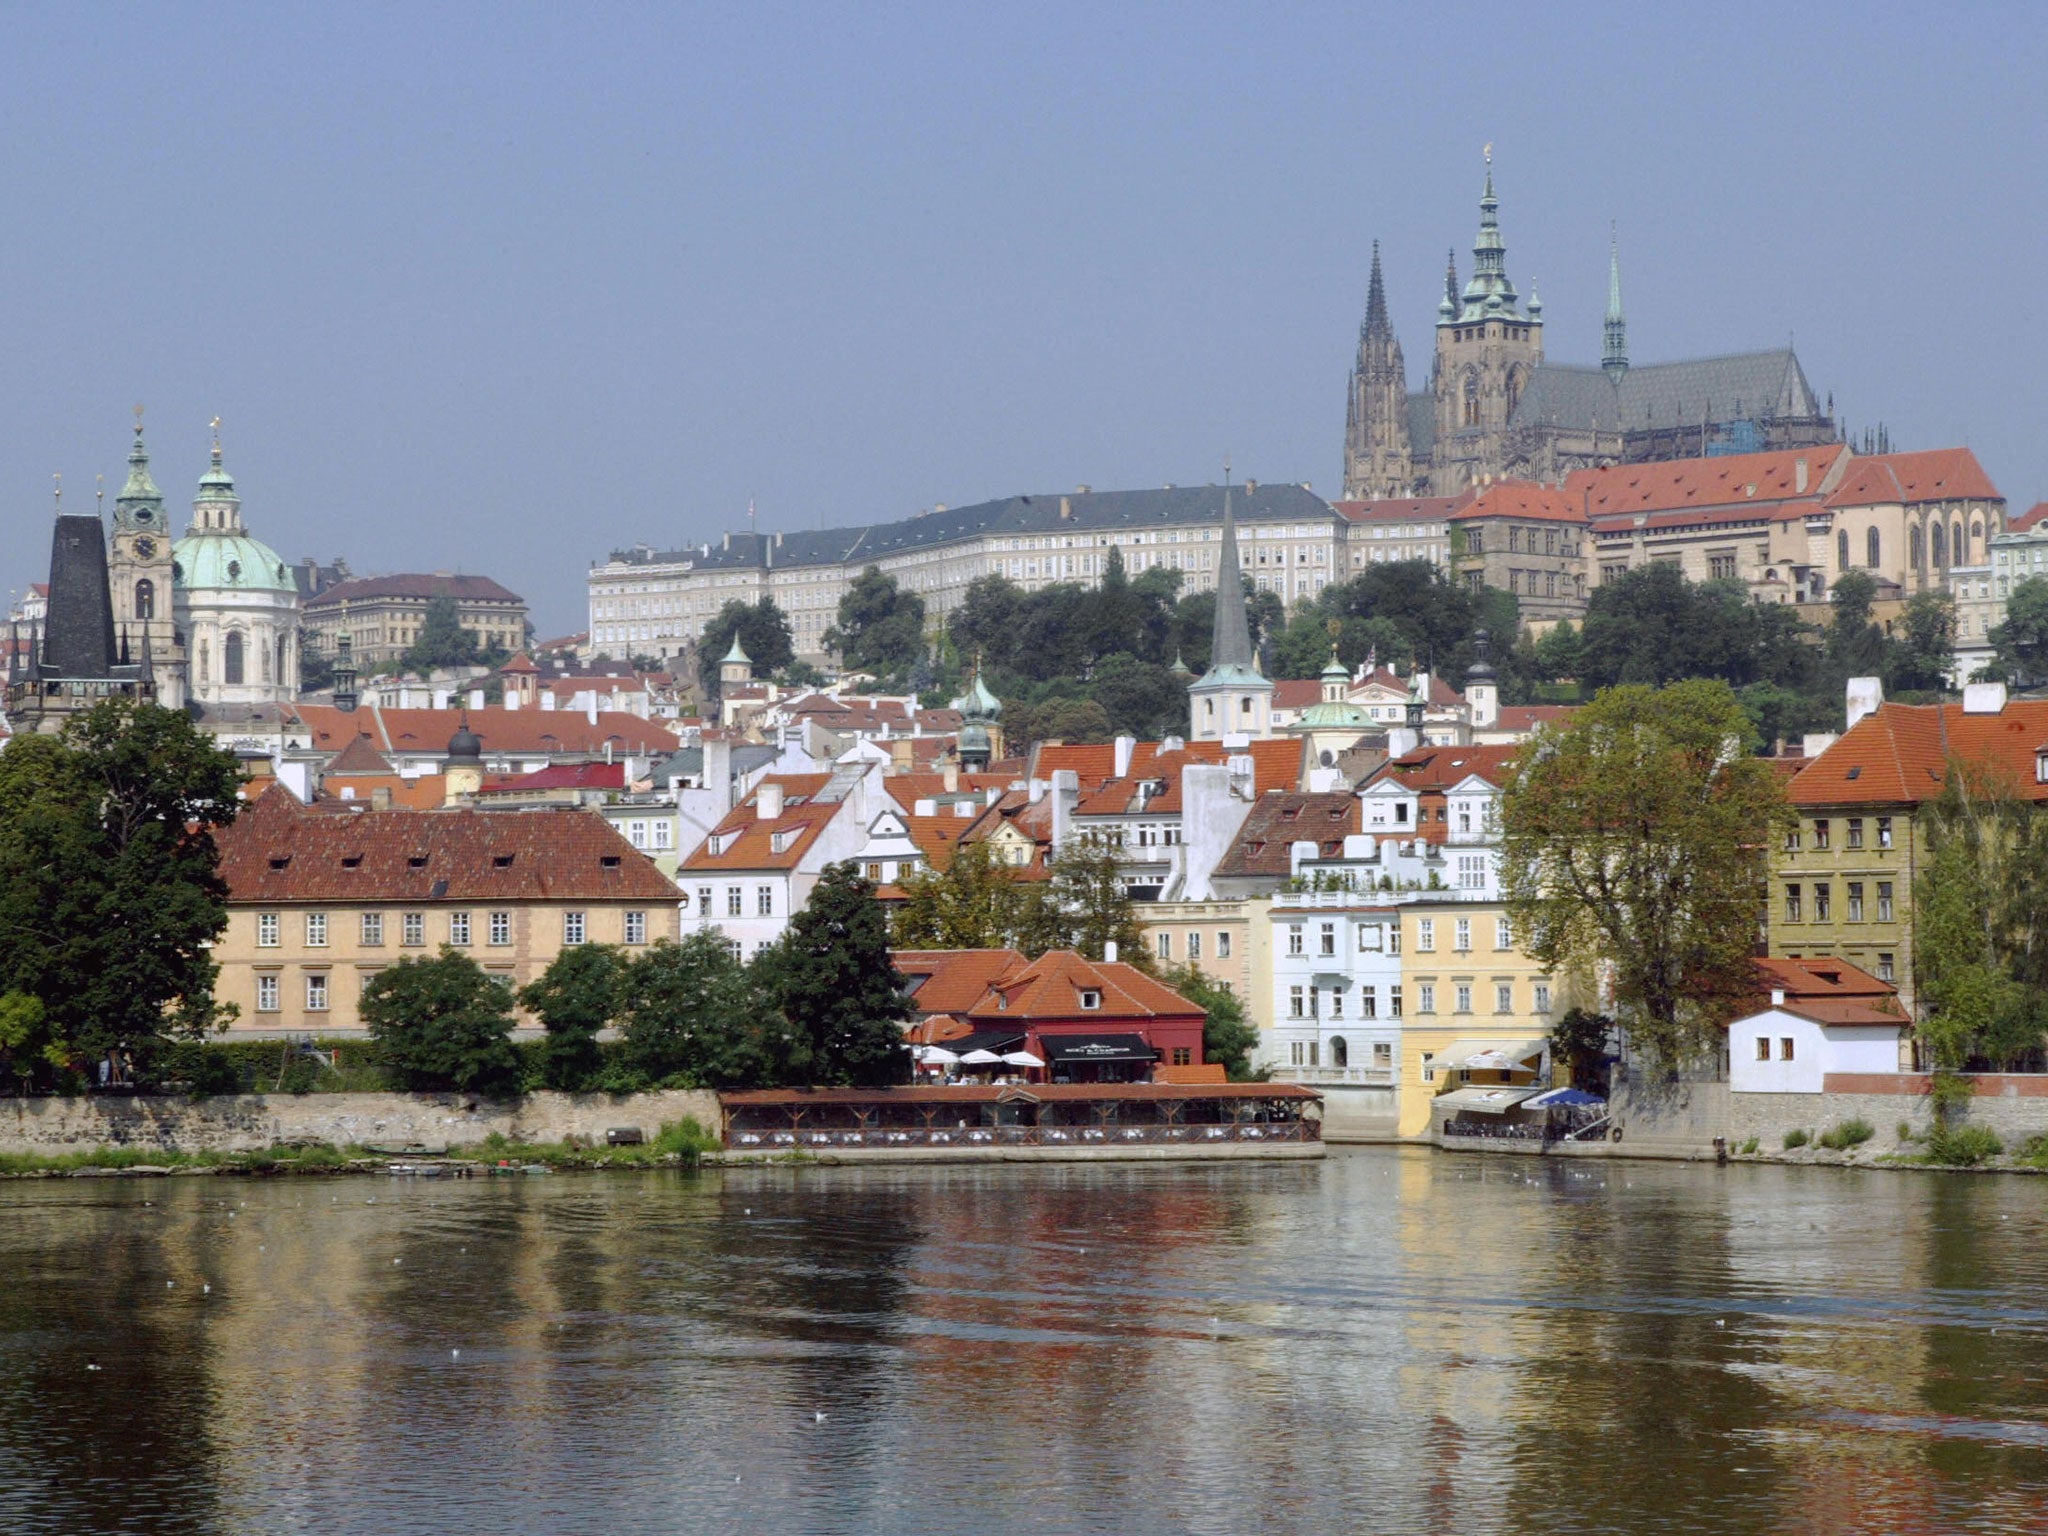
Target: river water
x=1391 y=1340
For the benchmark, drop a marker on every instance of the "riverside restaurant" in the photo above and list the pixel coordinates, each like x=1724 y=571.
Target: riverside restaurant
x=1055 y=1119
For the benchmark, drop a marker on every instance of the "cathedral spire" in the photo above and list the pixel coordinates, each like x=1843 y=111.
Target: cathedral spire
x=1230 y=643
x=140 y=504
x=1614 y=333
x=1489 y=293
x=1447 y=311
x=1376 y=299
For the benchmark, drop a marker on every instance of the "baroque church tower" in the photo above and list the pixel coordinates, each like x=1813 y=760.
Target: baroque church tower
x=1378 y=457
x=1486 y=352
x=140 y=573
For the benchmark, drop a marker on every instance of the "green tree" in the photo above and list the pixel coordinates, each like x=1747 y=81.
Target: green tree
x=442 y=642
x=1228 y=1037
x=880 y=627
x=691 y=1015
x=441 y=1024
x=975 y=902
x=110 y=893
x=1923 y=653
x=576 y=997
x=1855 y=644
x=1055 y=719
x=2020 y=643
x=985 y=622
x=1631 y=840
x=763 y=630
x=25 y=1042
x=1579 y=1039
x=1084 y=907
x=831 y=977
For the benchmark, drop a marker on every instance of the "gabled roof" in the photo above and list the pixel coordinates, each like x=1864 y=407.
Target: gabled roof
x=1827 y=991
x=1521 y=499
x=1442 y=768
x=359 y=756
x=1936 y=474
x=2027 y=520
x=1051 y=987
x=554 y=731
x=1278 y=820
x=747 y=841
x=277 y=851
x=1276 y=761
x=953 y=980
x=1899 y=754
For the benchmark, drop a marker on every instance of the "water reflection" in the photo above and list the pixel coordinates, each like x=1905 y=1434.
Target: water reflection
x=1391 y=1340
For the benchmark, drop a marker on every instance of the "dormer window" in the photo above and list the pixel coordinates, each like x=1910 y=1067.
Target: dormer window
x=1091 y=1000
x=501 y=861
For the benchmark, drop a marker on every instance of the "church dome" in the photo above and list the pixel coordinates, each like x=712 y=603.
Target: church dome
x=465 y=745
x=229 y=562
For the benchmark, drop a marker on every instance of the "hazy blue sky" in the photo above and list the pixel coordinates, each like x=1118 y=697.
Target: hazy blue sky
x=501 y=288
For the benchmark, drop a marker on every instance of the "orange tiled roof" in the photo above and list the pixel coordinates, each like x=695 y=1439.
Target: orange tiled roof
x=1936 y=474
x=2028 y=519
x=1276 y=762
x=277 y=852
x=954 y=979
x=1440 y=768
x=359 y=756
x=1686 y=484
x=428 y=792
x=1297 y=692
x=1526 y=717
x=1899 y=753
x=937 y=836
x=1521 y=499
x=1276 y=822
x=1051 y=987
x=502 y=730
x=1828 y=991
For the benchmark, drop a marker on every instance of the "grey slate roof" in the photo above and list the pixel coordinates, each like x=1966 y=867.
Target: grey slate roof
x=78 y=631
x=1076 y=512
x=1743 y=385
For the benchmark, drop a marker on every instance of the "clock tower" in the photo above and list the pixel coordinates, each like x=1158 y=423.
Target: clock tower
x=141 y=574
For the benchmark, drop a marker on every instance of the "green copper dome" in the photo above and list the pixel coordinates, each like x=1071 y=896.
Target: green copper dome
x=229 y=562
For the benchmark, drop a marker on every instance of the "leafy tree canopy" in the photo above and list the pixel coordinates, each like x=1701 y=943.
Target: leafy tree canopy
x=1228 y=1037
x=441 y=1024
x=763 y=630
x=880 y=628
x=576 y=996
x=443 y=642
x=832 y=979
x=693 y=1016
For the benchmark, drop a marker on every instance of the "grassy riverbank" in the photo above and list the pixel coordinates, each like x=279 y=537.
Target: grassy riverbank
x=681 y=1143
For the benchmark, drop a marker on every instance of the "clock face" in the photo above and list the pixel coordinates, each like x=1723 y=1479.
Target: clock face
x=145 y=547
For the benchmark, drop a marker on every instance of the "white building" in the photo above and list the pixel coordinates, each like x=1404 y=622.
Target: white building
x=1826 y=1017
x=236 y=603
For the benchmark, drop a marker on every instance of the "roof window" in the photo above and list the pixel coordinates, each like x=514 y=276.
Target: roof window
x=501 y=861
x=417 y=861
x=608 y=860
x=1090 y=999
x=352 y=861
x=281 y=863
x=1855 y=772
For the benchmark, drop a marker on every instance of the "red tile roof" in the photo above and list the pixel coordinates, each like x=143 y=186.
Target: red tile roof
x=1828 y=991
x=1899 y=754
x=502 y=730
x=559 y=776
x=954 y=979
x=1276 y=763
x=277 y=851
x=359 y=756
x=1526 y=717
x=1297 y=692
x=2028 y=519
x=428 y=792
x=1686 y=484
x=746 y=841
x=1276 y=822
x=1521 y=499
x=1937 y=474
x=1441 y=768
x=1051 y=987
x=468 y=589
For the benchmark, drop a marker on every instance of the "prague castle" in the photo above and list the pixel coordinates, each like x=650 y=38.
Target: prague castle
x=1495 y=407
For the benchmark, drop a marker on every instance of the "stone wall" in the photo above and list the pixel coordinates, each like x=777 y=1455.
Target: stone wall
x=251 y=1122
x=1688 y=1116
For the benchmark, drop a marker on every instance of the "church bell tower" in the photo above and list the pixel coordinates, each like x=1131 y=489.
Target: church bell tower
x=141 y=574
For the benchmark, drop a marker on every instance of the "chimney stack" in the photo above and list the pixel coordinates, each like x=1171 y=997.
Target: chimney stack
x=768 y=801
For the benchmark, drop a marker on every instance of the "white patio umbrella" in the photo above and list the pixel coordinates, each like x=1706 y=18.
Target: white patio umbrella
x=1022 y=1059
x=981 y=1059
x=1488 y=1061
x=936 y=1056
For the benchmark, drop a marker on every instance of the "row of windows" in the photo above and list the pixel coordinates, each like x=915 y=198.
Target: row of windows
x=1824 y=904
x=412 y=928
x=1328 y=1002
x=1375 y=936
x=1852 y=828
x=1307 y=1053
x=1164 y=941
x=735 y=901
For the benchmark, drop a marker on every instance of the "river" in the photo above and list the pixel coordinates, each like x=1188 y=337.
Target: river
x=1391 y=1340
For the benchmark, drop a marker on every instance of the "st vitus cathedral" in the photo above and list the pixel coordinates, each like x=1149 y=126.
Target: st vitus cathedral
x=1495 y=408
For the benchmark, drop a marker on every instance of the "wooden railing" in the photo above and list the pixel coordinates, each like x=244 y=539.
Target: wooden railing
x=1024 y=1136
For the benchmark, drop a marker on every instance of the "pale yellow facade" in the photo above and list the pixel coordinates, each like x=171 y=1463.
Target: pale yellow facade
x=302 y=968
x=1212 y=936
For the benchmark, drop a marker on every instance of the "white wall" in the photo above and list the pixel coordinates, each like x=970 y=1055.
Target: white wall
x=1816 y=1051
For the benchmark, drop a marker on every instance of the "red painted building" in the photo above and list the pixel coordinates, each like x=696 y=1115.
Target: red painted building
x=1088 y=1021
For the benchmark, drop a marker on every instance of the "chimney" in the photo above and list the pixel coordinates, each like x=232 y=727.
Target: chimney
x=768 y=801
x=1066 y=796
x=1865 y=694
x=966 y=810
x=1109 y=951
x=590 y=707
x=380 y=798
x=1799 y=475
x=1209 y=819
x=1983 y=698
x=950 y=777
x=1125 y=746
x=1066 y=508
x=511 y=699
x=1778 y=993
x=717 y=775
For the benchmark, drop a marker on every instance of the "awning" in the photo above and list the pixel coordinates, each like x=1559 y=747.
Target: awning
x=1483 y=1101
x=1563 y=1096
x=1071 y=1048
x=997 y=1040
x=1459 y=1054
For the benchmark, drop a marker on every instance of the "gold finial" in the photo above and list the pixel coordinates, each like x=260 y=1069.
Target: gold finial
x=99 y=489
x=59 y=479
x=138 y=420
x=1489 y=151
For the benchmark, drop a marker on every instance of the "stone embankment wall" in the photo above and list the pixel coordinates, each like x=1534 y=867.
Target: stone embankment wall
x=1682 y=1119
x=252 y=1122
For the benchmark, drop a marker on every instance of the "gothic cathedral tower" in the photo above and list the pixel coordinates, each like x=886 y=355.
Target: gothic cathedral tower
x=1486 y=349
x=140 y=573
x=1378 y=457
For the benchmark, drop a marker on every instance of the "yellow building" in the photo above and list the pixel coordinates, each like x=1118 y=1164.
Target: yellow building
x=1211 y=936
x=319 y=902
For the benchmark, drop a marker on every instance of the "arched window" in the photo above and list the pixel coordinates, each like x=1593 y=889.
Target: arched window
x=266 y=661
x=283 y=659
x=145 y=599
x=1340 y=1052
x=1870 y=549
x=231 y=657
x=1937 y=546
x=1471 y=418
x=1915 y=553
x=1977 y=537
x=1842 y=549
x=204 y=669
x=1958 y=550
x=1514 y=388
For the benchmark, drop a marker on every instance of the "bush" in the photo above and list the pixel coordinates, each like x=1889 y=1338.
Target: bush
x=443 y=1024
x=1905 y=1131
x=1794 y=1140
x=1963 y=1146
x=1850 y=1133
x=1748 y=1148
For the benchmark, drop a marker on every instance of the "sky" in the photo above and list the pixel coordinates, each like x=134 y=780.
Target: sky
x=501 y=288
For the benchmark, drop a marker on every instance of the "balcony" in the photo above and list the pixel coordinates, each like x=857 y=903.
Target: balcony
x=1351 y=1077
